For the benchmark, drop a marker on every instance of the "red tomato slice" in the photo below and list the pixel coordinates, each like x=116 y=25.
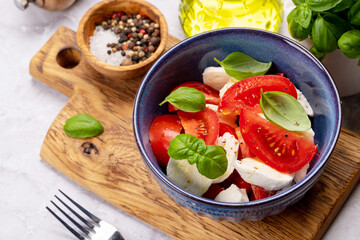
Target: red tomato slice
x=162 y=130
x=211 y=95
x=277 y=147
x=212 y=192
x=260 y=193
x=246 y=93
x=224 y=128
x=203 y=124
x=244 y=148
x=236 y=179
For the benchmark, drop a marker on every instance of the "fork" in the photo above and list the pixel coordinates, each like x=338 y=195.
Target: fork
x=95 y=229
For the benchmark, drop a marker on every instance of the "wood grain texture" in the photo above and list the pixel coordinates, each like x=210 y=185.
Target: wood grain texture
x=115 y=171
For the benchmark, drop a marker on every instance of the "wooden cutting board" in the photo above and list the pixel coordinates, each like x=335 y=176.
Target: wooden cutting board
x=110 y=165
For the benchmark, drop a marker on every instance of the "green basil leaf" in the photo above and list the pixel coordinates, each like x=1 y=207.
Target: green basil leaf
x=284 y=110
x=298 y=2
x=354 y=14
x=326 y=31
x=186 y=146
x=297 y=31
x=342 y=5
x=213 y=163
x=83 y=126
x=240 y=66
x=291 y=15
x=349 y=43
x=210 y=160
x=303 y=15
x=186 y=99
x=319 y=55
x=322 y=5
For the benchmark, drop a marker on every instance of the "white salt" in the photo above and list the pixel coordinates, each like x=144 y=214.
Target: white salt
x=99 y=49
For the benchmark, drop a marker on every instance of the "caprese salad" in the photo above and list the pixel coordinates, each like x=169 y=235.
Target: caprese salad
x=237 y=136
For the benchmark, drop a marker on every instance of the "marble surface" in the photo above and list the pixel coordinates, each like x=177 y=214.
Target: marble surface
x=27 y=108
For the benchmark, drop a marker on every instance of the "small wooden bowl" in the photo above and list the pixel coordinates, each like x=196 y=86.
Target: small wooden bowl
x=103 y=11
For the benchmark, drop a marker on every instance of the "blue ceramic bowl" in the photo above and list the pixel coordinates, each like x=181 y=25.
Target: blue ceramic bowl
x=187 y=60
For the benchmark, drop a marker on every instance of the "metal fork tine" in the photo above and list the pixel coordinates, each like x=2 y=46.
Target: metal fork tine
x=89 y=224
x=71 y=219
x=89 y=214
x=76 y=234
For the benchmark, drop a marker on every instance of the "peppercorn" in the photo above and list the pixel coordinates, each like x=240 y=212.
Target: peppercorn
x=126 y=62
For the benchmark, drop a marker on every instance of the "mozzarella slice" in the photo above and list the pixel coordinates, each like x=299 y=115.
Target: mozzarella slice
x=215 y=77
x=187 y=177
x=258 y=173
x=232 y=194
x=212 y=107
x=231 y=146
x=309 y=134
x=304 y=103
x=225 y=88
x=301 y=173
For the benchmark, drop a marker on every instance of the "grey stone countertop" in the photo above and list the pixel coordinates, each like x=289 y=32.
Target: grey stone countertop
x=27 y=108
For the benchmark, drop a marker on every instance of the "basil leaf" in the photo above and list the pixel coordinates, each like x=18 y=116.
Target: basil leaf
x=210 y=160
x=341 y=6
x=186 y=146
x=349 y=43
x=83 y=126
x=213 y=162
x=354 y=14
x=240 y=66
x=326 y=30
x=322 y=5
x=303 y=15
x=298 y=2
x=319 y=55
x=186 y=99
x=291 y=15
x=284 y=110
x=297 y=31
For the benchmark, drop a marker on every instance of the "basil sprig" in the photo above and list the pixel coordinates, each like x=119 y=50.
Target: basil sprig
x=240 y=66
x=284 y=110
x=210 y=160
x=186 y=99
x=83 y=126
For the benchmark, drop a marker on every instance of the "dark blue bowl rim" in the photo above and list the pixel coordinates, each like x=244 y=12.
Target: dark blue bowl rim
x=278 y=197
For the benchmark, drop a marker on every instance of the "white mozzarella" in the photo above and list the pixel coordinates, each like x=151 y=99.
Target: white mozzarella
x=309 y=134
x=304 y=103
x=215 y=77
x=225 y=88
x=232 y=194
x=301 y=173
x=187 y=177
x=212 y=107
x=231 y=146
x=258 y=173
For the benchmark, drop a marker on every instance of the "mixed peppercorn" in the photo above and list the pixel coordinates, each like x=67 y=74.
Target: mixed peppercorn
x=139 y=36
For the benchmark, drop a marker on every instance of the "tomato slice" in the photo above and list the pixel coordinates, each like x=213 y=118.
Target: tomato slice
x=211 y=95
x=236 y=179
x=244 y=148
x=260 y=193
x=213 y=191
x=246 y=93
x=203 y=124
x=224 y=128
x=162 y=130
x=277 y=147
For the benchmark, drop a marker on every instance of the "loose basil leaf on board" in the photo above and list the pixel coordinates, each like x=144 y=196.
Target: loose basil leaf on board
x=319 y=55
x=186 y=146
x=186 y=99
x=298 y=2
x=210 y=160
x=297 y=31
x=354 y=14
x=326 y=31
x=322 y=5
x=303 y=15
x=213 y=163
x=240 y=66
x=284 y=110
x=83 y=126
x=341 y=6
x=349 y=43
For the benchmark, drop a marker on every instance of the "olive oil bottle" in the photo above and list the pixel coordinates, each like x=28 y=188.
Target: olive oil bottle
x=197 y=16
